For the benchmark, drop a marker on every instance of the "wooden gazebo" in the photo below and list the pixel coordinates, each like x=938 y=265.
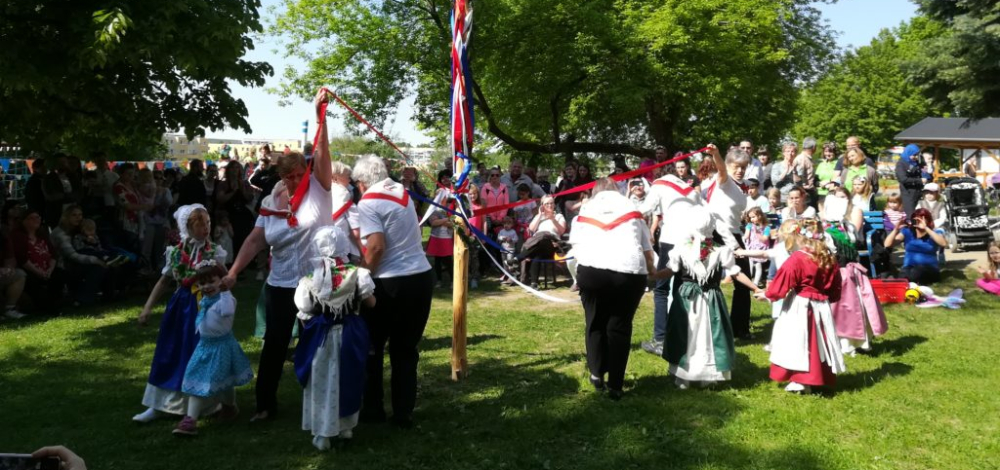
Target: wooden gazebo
x=981 y=136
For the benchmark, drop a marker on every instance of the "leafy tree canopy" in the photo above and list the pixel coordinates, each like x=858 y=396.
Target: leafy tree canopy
x=865 y=93
x=564 y=76
x=115 y=74
x=960 y=70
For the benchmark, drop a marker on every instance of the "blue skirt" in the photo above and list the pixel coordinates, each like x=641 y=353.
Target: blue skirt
x=176 y=341
x=217 y=365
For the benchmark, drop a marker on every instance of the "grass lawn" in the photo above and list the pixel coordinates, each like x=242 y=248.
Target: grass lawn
x=925 y=398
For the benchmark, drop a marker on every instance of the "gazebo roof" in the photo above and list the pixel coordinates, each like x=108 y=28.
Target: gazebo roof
x=952 y=132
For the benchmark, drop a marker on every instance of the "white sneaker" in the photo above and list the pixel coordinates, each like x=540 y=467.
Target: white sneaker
x=795 y=387
x=682 y=384
x=146 y=416
x=321 y=443
x=347 y=434
x=14 y=314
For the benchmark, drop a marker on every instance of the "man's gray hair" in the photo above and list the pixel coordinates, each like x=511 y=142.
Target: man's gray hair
x=370 y=170
x=341 y=168
x=809 y=143
x=737 y=156
x=789 y=143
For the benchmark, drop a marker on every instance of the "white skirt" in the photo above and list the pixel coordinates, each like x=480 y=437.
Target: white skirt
x=175 y=403
x=321 y=397
x=790 y=337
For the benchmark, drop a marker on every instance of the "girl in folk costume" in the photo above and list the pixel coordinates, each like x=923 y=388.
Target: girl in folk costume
x=699 y=345
x=178 y=338
x=858 y=314
x=441 y=243
x=333 y=347
x=218 y=364
x=804 y=347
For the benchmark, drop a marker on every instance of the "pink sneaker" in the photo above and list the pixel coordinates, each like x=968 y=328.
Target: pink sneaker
x=187 y=427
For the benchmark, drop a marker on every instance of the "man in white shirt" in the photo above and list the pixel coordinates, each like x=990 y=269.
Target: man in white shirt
x=403 y=287
x=671 y=197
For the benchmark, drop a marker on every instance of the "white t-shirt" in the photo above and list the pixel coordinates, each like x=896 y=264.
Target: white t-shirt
x=728 y=201
x=219 y=317
x=292 y=248
x=620 y=248
x=548 y=226
x=671 y=197
x=809 y=213
x=404 y=253
x=107 y=180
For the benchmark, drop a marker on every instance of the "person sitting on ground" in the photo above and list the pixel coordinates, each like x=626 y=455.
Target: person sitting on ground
x=990 y=281
x=921 y=243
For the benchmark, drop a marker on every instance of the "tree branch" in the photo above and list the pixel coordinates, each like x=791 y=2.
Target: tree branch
x=551 y=148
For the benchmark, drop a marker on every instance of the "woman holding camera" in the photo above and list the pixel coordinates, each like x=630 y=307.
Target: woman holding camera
x=921 y=244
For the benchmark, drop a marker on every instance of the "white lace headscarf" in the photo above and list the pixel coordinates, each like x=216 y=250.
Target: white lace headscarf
x=182 y=215
x=700 y=223
x=331 y=245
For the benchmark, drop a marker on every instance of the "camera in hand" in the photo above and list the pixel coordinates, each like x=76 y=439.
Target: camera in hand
x=27 y=462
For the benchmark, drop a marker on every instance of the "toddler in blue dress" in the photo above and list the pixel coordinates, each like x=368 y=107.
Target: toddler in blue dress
x=218 y=364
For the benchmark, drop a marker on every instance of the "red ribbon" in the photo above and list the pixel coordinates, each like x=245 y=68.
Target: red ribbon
x=584 y=187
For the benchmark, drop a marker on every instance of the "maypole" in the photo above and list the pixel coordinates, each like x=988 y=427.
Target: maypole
x=461 y=132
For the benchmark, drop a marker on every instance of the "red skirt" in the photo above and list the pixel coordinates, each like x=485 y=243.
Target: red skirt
x=437 y=246
x=819 y=374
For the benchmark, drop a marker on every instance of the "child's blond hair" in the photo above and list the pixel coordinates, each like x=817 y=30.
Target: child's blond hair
x=810 y=238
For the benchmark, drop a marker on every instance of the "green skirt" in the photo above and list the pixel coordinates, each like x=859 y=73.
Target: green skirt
x=699 y=341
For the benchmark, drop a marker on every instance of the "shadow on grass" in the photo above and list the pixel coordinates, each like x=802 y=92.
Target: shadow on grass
x=444 y=342
x=851 y=382
x=897 y=347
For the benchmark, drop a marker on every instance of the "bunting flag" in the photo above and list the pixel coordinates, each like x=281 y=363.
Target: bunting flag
x=461 y=94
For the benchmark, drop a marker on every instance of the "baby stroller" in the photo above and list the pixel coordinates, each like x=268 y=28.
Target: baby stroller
x=968 y=213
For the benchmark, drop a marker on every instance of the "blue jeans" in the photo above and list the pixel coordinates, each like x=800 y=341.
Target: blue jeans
x=661 y=295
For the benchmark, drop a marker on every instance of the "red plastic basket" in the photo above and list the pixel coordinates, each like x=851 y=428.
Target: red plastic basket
x=890 y=291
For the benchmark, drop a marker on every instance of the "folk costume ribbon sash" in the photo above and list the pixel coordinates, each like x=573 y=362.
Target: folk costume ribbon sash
x=676 y=187
x=610 y=225
x=343 y=210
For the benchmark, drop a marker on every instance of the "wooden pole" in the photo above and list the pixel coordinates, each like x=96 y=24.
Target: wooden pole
x=460 y=298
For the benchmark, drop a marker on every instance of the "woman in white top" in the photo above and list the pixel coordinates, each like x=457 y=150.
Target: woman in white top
x=611 y=243
x=288 y=220
x=547 y=228
x=797 y=208
x=403 y=286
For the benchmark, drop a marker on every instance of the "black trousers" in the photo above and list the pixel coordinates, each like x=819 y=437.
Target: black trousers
x=739 y=313
x=921 y=274
x=402 y=306
x=279 y=305
x=609 y=299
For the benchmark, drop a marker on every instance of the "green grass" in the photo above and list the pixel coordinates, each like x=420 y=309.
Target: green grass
x=925 y=398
